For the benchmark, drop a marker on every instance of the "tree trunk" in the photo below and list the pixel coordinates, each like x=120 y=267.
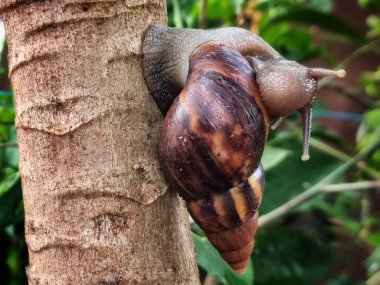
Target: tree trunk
x=96 y=206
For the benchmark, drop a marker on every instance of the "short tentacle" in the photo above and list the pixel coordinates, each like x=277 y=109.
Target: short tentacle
x=277 y=123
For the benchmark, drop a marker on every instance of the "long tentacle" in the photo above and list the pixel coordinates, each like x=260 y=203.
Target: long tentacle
x=306 y=113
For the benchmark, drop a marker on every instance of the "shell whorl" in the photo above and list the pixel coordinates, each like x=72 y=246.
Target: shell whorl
x=211 y=144
x=230 y=219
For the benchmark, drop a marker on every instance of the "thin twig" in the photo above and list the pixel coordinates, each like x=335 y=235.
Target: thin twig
x=320 y=145
x=324 y=147
x=267 y=219
x=349 y=92
x=354 y=186
x=362 y=50
x=370 y=47
x=3 y=145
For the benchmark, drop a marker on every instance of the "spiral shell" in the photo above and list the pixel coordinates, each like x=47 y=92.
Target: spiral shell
x=211 y=144
x=233 y=83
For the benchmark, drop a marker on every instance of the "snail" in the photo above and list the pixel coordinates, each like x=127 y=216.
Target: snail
x=219 y=91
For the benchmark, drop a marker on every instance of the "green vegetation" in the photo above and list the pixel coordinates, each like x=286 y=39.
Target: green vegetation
x=319 y=221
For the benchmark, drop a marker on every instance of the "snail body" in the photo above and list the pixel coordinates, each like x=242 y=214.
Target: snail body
x=220 y=90
x=167 y=50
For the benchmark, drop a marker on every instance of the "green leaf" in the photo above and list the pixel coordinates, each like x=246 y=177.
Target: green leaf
x=177 y=14
x=295 y=43
x=8 y=180
x=374 y=238
x=373 y=261
x=372 y=118
x=342 y=207
x=7 y=115
x=289 y=256
x=291 y=176
x=366 y=135
x=344 y=280
x=11 y=210
x=209 y=259
x=181 y=13
x=273 y=156
x=370 y=81
x=325 y=6
x=370 y=4
x=220 y=13
x=374 y=23
x=11 y=154
x=238 y=5
x=2 y=46
x=326 y=21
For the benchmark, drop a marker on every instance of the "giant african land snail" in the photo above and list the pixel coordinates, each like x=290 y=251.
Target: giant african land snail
x=220 y=89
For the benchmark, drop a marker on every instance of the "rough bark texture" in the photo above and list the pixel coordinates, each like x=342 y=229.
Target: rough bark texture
x=96 y=206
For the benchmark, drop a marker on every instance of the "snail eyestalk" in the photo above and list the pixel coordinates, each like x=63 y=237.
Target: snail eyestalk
x=322 y=72
x=277 y=123
x=306 y=113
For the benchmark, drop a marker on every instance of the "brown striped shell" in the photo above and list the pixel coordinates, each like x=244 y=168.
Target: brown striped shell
x=211 y=144
x=214 y=132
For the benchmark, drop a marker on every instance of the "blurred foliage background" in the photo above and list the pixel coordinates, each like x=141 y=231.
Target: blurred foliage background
x=320 y=219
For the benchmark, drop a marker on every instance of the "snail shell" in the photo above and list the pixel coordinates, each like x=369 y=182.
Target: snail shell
x=231 y=86
x=211 y=144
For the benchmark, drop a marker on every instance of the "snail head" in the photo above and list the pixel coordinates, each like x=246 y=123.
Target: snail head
x=287 y=86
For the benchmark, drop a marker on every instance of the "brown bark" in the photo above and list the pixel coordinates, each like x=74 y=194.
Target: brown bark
x=96 y=206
